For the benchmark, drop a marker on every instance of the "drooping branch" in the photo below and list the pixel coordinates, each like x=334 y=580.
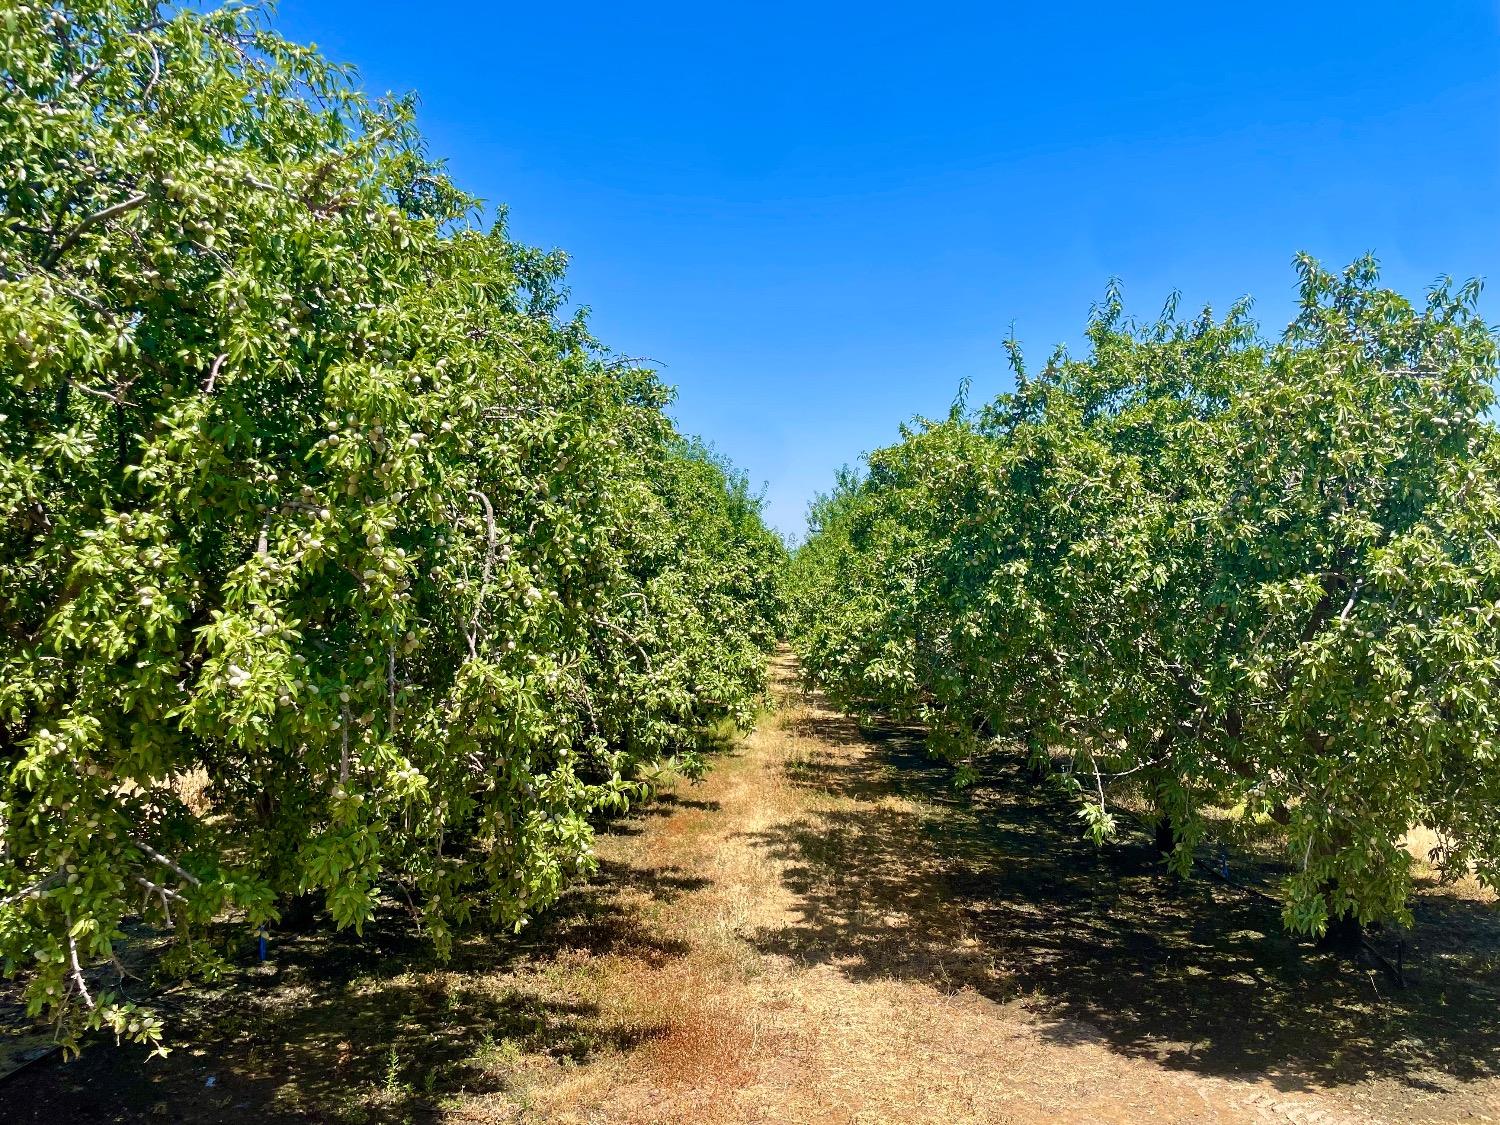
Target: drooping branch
x=140 y=33
x=158 y=889
x=640 y=648
x=33 y=891
x=155 y=70
x=164 y=892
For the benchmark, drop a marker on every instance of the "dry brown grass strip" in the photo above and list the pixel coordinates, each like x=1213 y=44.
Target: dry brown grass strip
x=731 y=1032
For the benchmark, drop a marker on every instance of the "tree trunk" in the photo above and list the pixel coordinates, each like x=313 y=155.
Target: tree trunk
x=1344 y=933
x=299 y=913
x=1166 y=839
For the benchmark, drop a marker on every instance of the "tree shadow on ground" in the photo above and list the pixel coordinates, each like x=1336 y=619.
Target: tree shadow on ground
x=662 y=806
x=997 y=889
x=339 y=1027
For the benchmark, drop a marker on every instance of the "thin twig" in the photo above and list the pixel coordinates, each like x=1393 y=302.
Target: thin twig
x=120 y=970
x=390 y=684
x=1133 y=769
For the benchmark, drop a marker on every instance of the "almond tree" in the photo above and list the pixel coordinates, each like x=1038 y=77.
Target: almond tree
x=1210 y=570
x=324 y=532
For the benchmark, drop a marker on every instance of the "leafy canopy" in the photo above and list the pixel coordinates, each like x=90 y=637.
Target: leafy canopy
x=332 y=557
x=1205 y=569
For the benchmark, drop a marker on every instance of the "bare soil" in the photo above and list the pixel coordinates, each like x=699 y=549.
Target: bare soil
x=825 y=931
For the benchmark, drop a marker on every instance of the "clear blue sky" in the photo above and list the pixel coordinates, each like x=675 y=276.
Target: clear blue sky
x=818 y=218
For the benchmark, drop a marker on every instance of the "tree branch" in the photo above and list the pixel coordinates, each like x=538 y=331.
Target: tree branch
x=344 y=746
x=390 y=684
x=158 y=889
x=32 y=891
x=213 y=373
x=116 y=399
x=83 y=988
x=629 y=637
x=94 y=220
x=1344 y=616
x=166 y=862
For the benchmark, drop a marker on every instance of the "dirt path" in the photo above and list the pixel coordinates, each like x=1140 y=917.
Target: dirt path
x=823 y=931
x=810 y=951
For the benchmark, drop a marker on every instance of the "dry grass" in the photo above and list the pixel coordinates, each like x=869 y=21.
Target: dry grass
x=834 y=971
x=193 y=787
x=826 y=975
x=823 y=931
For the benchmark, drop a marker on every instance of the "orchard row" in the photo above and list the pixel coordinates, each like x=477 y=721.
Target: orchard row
x=1230 y=583
x=335 y=560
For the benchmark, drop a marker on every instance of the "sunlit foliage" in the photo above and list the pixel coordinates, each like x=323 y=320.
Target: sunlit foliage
x=310 y=492
x=1205 y=569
